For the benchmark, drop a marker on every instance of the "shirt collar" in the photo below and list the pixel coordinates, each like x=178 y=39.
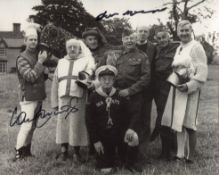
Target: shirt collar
x=145 y=42
x=102 y=93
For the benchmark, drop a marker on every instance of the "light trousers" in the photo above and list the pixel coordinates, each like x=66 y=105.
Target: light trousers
x=25 y=134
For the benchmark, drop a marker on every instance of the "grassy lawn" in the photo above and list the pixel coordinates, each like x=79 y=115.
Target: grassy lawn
x=45 y=149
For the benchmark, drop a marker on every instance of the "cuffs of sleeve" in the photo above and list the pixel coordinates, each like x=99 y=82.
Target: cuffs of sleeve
x=95 y=139
x=39 y=68
x=131 y=91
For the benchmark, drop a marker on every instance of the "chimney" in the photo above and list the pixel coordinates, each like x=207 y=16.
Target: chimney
x=16 y=28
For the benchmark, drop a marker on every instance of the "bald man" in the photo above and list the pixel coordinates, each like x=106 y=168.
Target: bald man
x=149 y=48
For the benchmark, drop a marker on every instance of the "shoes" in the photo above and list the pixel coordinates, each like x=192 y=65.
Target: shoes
x=134 y=168
x=106 y=170
x=179 y=159
x=19 y=154
x=77 y=158
x=154 y=134
x=63 y=156
x=166 y=157
x=189 y=161
x=183 y=159
x=28 y=151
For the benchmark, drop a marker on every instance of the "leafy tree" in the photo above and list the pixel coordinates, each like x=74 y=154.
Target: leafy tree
x=68 y=14
x=114 y=28
x=186 y=9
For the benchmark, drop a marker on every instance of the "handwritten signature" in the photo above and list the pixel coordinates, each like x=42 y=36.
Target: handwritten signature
x=128 y=12
x=18 y=119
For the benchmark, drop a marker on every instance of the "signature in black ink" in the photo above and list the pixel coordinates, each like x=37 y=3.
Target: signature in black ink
x=42 y=114
x=128 y=12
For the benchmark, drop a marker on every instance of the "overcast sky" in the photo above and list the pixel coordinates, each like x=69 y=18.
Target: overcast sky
x=19 y=10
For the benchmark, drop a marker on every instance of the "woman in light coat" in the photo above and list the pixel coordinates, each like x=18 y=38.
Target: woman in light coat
x=190 y=66
x=70 y=99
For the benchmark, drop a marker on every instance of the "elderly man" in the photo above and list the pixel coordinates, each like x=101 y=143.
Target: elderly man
x=71 y=130
x=32 y=90
x=150 y=49
x=180 y=114
x=133 y=77
x=97 y=44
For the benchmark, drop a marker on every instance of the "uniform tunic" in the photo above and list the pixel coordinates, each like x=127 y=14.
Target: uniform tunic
x=182 y=107
x=162 y=69
x=150 y=49
x=133 y=74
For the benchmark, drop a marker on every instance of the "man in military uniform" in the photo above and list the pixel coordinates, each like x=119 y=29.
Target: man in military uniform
x=162 y=69
x=133 y=77
x=150 y=49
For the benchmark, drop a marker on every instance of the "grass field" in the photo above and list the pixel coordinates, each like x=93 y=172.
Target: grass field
x=45 y=149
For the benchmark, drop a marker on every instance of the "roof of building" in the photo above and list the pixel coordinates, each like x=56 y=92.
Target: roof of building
x=6 y=34
x=12 y=39
x=14 y=43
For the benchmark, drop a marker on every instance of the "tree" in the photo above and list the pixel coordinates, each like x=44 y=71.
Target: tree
x=114 y=28
x=186 y=9
x=68 y=14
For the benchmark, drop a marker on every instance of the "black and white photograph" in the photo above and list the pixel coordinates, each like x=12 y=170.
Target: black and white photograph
x=109 y=87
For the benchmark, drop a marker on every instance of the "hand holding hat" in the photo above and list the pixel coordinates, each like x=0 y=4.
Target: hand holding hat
x=83 y=79
x=131 y=138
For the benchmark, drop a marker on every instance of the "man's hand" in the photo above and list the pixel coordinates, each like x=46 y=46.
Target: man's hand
x=124 y=93
x=99 y=147
x=91 y=86
x=182 y=87
x=42 y=56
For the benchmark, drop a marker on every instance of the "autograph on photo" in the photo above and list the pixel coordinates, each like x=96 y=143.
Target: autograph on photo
x=128 y=12
x=45 y=116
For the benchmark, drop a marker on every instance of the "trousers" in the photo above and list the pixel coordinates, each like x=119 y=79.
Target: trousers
x=25 y=134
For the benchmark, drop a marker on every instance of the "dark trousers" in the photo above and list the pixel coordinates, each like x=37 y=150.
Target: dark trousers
x=107 y=159
x=168 y=137
x=135 y=111
x=126 y=155
x=159 y=92
x=160 y=95
x=168 y=141
x=146 y=113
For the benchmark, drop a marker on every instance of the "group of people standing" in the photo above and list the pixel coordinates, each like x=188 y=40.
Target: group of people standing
x=114 y=110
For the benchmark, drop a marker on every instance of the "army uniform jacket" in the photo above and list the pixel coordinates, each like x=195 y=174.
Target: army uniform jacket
x=163 y=61
x=133 y=70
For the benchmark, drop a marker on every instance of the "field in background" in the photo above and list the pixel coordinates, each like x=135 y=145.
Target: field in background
x=45 y=149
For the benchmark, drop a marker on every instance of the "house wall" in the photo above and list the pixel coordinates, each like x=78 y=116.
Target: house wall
x=12 y=54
